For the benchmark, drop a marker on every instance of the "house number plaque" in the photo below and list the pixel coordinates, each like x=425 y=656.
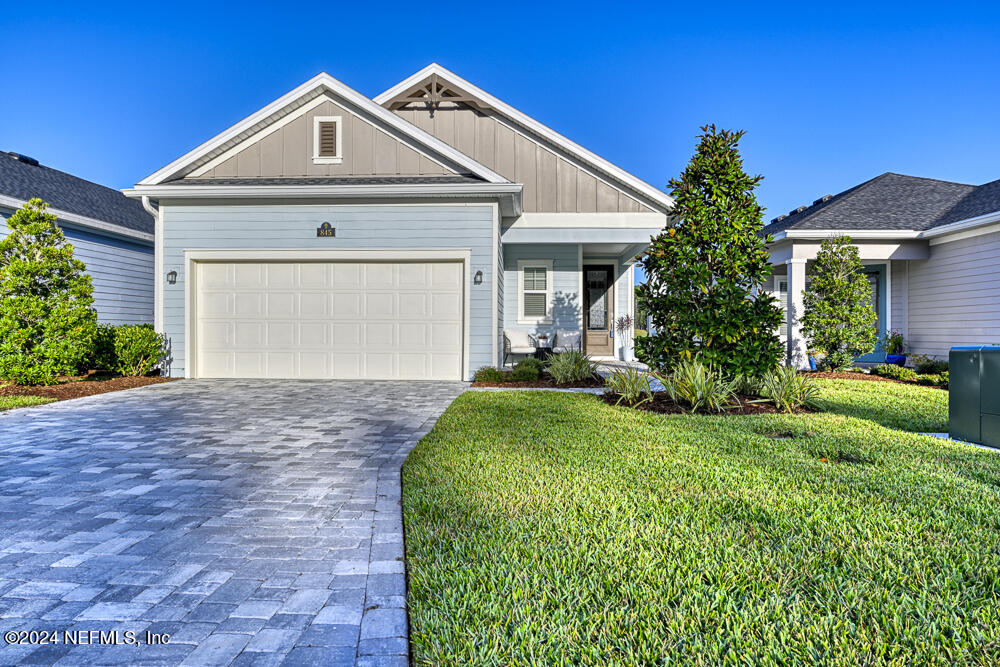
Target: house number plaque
x=326 y=231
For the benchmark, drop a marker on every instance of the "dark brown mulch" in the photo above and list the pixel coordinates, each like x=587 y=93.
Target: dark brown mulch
x=545 y=382
x=662 y=404
x=78 y=387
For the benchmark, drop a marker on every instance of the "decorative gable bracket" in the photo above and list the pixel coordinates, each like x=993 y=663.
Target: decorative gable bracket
x=432 y=92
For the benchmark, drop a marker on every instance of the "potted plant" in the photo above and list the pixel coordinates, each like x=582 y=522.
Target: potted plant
x=623 y=325
x=894 y=346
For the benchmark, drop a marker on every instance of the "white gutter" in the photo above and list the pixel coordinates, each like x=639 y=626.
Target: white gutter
x=962 y=225
x=509 y=194
x=83 y=221
x=951 y=228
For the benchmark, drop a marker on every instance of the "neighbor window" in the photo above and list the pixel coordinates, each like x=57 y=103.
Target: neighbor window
x=535 y=278
x=327 y=140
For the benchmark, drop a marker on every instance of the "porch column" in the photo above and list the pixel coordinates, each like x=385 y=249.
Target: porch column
x=796 y=344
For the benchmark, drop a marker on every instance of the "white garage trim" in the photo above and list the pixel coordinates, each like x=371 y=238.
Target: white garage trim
x=192 y=258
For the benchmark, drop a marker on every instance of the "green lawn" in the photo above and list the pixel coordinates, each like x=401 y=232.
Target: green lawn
x=548 y=528
x=910 y=407
x=10 y=402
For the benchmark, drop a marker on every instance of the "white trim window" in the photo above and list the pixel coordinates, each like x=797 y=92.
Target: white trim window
x=534 y=291
x=328 y=140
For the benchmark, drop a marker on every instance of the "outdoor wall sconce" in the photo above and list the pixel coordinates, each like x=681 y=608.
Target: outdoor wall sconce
x=478 y=279
x=171 y=277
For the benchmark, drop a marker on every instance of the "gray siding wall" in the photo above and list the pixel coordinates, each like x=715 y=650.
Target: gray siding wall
x=121 y=270
x=954 y=296
x=898 y=287
x=291 y=227
x=553 y=180
x=566 y=310
x=288 y=152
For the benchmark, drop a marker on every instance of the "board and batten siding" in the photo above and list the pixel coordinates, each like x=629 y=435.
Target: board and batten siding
x=121 y=271
x=288 y=151
x=293 y=227
x=554 y=182
x=954 y=296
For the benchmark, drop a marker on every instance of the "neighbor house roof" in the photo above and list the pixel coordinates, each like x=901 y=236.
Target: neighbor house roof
x=85 y=202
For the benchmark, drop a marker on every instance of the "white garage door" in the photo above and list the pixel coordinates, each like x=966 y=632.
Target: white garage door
x=345 y=320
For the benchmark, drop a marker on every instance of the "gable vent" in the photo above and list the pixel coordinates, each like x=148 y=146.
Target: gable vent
x=328 y=139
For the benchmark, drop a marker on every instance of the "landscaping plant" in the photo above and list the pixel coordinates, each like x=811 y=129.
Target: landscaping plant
x=894 y=343
x=924 y=364
x=102 y=350
x=571 y=366
x=489 y=374
x=707 y=272
x=526 y=370
x=138 y=348
x=47 y=321
x=700 y=387
x=839 y=320
x=630 y=385
x=894 y=372
x=933 y=380
x=788 y=389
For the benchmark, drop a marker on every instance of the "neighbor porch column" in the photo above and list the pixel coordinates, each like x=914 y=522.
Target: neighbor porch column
x=796 y=355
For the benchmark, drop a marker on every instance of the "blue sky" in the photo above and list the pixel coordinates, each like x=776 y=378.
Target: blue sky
x=830 y=94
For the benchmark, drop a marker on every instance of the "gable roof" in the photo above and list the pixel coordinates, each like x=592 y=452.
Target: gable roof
x=467 y=89
x=287 y=104
x=71 y=198
x=893 y=202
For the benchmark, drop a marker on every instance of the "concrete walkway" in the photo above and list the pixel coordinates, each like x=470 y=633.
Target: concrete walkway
x=254 y=522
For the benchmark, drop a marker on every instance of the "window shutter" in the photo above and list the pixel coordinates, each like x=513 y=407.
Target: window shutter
x=327 y=139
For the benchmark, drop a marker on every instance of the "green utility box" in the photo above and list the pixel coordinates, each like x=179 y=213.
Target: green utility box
x=974 y=394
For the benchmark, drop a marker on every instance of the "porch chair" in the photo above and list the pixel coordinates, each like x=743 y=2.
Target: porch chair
x=567 y=341
x=517 y=341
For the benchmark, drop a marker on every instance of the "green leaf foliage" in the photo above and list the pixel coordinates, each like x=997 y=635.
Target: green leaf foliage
x=138 y=348
x=571 y=366
x=47 y=321
x=706 y=272
x=489 y=374
x=839 y=319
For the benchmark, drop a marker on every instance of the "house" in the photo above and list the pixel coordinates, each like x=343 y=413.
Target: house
x=111 y=234
x=330 y=235
x=930 y=249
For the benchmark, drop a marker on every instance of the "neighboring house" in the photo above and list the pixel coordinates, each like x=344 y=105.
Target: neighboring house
x=330 y=235
x=931 y=250
x=111 y=234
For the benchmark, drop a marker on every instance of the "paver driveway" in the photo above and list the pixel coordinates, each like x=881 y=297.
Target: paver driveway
x=254 y=522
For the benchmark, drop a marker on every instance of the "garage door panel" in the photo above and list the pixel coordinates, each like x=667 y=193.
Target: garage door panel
x=330 y=320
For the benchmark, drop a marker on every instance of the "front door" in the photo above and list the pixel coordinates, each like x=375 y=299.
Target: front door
x=597 y=311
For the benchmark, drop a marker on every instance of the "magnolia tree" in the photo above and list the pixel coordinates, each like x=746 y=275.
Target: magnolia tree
x=839 y=319
x=46 y=317
x=706 y=272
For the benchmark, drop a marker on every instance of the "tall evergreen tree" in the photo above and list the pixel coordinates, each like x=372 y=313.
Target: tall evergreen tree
x=839 y=319
x=706 y=271
x=46 y=317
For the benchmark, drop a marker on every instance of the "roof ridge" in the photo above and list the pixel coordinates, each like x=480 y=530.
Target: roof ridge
x=926 y=178
x=42 y=165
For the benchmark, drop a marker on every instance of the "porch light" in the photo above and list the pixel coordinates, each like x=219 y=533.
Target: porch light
x=171 y=277
x=478 y=279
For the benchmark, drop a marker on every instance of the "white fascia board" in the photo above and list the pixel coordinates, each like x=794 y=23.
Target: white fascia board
x=654 y=221
x=523 y=119
x=820 y=234
x=508 y=194
x=962 y=225
x=83 y=221
x=324 y=80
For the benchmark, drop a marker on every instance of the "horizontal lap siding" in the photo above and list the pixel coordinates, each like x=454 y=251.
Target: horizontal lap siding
x=565 y=286
x=954 y=296
x=358 y=228
x=121 y=271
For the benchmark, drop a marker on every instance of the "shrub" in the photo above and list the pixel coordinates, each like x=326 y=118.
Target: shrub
x=928 y=365
x=945 y=378
x=934 y=380
x=489 y=374
x=571 y=366
x=46 y=317
x=706 y=273
x=894 y=372
x=526 y=372
x=700 y=386
x=747 y=385
x=839 y=320
x=789 y=389
x=138 y=348
x=531 y=362
x=102 y=350
x=631 y=385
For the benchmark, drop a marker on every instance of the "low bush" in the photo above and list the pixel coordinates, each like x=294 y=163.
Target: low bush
x=894 y=372
x=945 y=378
x=489 y=374
x=630 y=385
x=928 y=365
x=933 y=380
x=138 y=349
x=700 y=387
x=526 y=370
x=102 y=352
x=788 y=389
x=571 y=366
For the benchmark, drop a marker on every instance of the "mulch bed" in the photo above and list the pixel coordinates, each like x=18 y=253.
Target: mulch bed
x=831 y=375
x=545 y=382
x=78 y=387
x=662 y=404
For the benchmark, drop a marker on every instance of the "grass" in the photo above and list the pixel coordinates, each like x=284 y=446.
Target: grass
x=548 y=528
x=11 y=402
x=909 y=407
